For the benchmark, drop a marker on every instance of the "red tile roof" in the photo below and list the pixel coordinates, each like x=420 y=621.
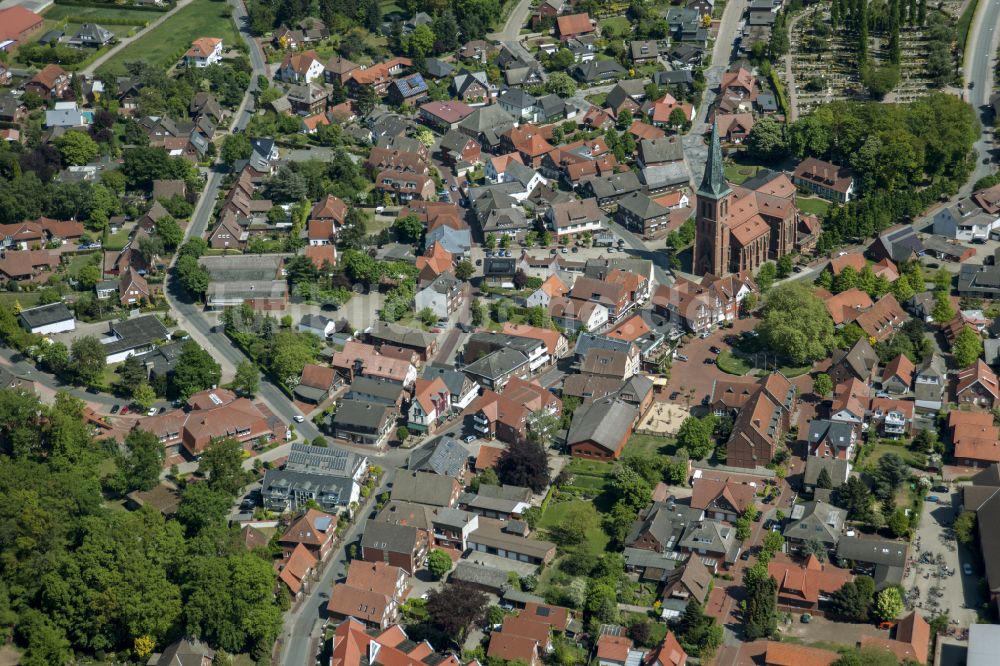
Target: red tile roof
x=790 y=654
x=574 y=24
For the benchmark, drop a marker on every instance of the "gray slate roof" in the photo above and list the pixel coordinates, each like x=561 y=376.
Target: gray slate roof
x=602 y=422
x=423 y=488
x=447 y=458
x=44 y=315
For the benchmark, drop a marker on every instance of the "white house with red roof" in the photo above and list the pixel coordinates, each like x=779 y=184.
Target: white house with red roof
x=204 y=51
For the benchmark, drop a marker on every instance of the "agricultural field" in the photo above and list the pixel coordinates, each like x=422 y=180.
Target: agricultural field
x=167 y=43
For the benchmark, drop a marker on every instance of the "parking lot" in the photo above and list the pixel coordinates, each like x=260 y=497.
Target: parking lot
x=954 y=595
x=696 y=375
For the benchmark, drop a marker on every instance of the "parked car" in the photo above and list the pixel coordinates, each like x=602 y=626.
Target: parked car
x=470 y=438
x=379 y=209
x=940 y=489
x=162 y=410
x=797 y=269
x=680 y=357
x=745 y=555
x=114 y=410
x=967 y=569
x=563 y=250
x=124 y=410
x=715 y=350
x=933 y=498
x=709 y=361
x=298 y=418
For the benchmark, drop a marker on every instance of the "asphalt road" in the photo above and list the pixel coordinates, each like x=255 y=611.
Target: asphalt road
x=192 y=317
x=979 y=72
x=515 y=21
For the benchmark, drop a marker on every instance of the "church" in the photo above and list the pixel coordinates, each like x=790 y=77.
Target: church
x=740 y=228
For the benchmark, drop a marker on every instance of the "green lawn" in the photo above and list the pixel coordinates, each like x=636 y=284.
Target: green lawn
x=27 y=299
x=597 y=538
x=619 y=25
x=167 y=43
x=737 y=173
x=912 y=458
x=81 y=260
x=649 y=445
x=791 y=371
x=731 y=364
x=816 y=206
x=115 y=242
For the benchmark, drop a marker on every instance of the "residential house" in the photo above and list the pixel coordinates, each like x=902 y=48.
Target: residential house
x=711 y=541
x=883 y=319
x=825 y=179
x=805 y=587
x=327 y=476
x=300 y=67
x=832 y=439
x=859 y=362
x=443 y=296
x=641 y=214
x=814 y=521
x=50 y=83
x=897 y=377
x=892 y=417
x=48 y=319
x=578 y=315
x=574 y=25
x=91 y=35
x=204 y=51
x=316 y=383
x=977 y=386
x=975 y=438
x=837 y=469
x=447 y=457
x=430 y=405
x=407 y=91
x=363 y=422
x=761 y=424
x=459 y=148
x=473 y=87
x=382 y=333
x=668 y=653
x=722 y=498
x=444 y=116
x=883 y=560
x=507 y=415
x=405 y=187
x=597 y=71
x=929 y=384
x=316 y=530
x=426 y=488
x=402 y=546
x=133 y=288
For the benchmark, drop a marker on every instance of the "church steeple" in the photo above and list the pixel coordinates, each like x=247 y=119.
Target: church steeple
x=713 y=183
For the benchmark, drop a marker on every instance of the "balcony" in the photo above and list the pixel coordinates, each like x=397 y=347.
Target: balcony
x=482 y=429
x=478 y=418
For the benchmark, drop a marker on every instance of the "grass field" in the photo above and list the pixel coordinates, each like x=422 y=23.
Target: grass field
x=117 y=241
x=597 y=539
x=964 y=23
x=202 y=18
x=97 y=14
x=81 y=260
x=912 y=458
x=815 y=206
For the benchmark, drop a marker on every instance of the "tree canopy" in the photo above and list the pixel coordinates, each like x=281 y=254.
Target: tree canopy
x=796 y=324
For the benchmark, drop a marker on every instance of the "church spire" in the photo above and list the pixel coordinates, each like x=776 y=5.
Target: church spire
x=713 y=183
